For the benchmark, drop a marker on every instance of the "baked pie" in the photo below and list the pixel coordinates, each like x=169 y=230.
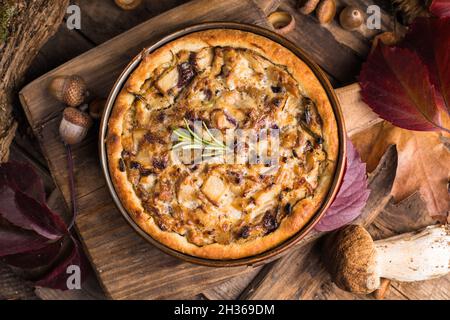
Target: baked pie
x=229 y=81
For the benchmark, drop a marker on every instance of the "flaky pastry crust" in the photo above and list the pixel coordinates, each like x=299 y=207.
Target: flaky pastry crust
x=239 y=246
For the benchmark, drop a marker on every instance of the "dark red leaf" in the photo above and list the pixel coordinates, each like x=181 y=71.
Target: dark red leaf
x=352 y=195
x=440 y=8
x=14 y=241
x=25 y=212
x=430 y=38
x=35 y=258
x=396 y=84
x=57 y=278
x=22 y=176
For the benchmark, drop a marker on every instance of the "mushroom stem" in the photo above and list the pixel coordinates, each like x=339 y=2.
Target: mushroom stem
x=414 y=256
x=357 y=263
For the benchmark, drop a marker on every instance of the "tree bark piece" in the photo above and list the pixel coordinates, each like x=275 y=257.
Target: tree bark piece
x=24 y=27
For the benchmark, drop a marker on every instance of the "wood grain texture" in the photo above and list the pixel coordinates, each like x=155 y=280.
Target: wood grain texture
x=137 y=270
x=25 y=27
x=339 y=52
x=127 y=266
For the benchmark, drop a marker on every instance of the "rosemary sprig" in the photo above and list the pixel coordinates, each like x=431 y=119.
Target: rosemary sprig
x=188 y=139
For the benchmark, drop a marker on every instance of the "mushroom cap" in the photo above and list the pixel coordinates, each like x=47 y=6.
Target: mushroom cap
x=349 y=255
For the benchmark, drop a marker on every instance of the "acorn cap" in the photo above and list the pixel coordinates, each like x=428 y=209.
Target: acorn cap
x=308 y=6
x=68 y=89
x=351 y=18
x=128 y=4
x=283 y=22
x=326 y=11
x=77 y=117
x=96 y=108
x=350 y=256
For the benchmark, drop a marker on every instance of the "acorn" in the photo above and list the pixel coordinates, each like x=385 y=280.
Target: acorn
x=351 y=18
x=283 y=22
x=308 y=6
x=326 y=11
x=387 y=38
x=70 y=90
x=96 y=108
x=74 y=125
x=128 y=4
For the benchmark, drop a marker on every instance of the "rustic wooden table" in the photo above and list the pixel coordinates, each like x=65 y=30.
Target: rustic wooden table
x=337 y=53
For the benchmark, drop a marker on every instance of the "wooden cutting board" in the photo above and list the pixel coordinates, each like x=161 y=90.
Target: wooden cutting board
x=126 y=265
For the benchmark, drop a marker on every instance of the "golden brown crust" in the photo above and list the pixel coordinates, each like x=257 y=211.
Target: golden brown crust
x=311 y=87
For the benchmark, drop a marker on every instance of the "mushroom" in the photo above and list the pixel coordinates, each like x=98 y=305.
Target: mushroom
x=74 y=125
x=68 y=89
x=357 y=263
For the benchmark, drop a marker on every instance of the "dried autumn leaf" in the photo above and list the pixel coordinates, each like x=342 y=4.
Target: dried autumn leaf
x=25 y=212
x=31 y=234
x=352 y=195
x=440 y=8
x=58 y=277
x=35 y=258
x=430 y=38
x=14 y=241
x=21 y=176
x=423 y=163
x=398 y=95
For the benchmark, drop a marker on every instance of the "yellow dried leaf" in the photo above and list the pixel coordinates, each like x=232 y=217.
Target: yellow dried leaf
x=423 y=162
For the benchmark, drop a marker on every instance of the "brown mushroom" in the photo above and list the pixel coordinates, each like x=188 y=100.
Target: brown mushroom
x=357 y=263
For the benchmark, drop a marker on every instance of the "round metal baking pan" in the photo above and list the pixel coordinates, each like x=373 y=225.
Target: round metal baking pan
x=270 y=254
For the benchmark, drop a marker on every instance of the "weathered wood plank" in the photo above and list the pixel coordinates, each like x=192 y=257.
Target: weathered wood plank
x=232 y=288
x=137 y=270
x=102 y=65
x=104 y=20
x=339 y=52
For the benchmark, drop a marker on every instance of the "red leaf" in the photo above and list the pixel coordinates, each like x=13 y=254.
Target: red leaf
x=430 y=38
x=14 y=241
x=25 y=212
x=35 y=258
x=22 y=176
x=57 y=278
x=396 y=84
x=352 y=195
x=440 y=8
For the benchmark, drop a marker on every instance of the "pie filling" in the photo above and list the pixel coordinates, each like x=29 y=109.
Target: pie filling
x=226 y=89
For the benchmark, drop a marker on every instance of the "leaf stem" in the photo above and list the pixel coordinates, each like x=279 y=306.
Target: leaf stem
x=71 y=186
